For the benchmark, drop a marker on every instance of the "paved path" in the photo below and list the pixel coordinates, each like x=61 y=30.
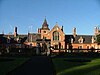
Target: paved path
x=38 y=65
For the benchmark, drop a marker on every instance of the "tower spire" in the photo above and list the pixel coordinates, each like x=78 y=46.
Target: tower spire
x=45 y=25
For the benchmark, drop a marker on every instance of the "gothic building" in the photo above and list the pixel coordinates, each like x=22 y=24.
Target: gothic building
x=55 y=37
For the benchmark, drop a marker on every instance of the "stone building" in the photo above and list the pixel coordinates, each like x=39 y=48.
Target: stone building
x=55 y=37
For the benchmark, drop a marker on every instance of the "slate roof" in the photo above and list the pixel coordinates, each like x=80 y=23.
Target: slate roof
x=86 y=39
x=2 y=39
x=45 y=25
x=13 y=39
x=32 y=37
x=44 y=40
x=68 y=38
x=23 y=38
x=26 y=37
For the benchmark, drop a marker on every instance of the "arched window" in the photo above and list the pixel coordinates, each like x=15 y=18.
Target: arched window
x=55 y=36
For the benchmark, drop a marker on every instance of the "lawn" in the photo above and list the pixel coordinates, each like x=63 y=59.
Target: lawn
x=8 y=64
x=77 y=66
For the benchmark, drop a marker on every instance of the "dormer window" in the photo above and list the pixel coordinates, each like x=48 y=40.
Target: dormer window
x=8 y=39
x=18 y=40
x=71 y=40
x=93 y=40
x=80 y=40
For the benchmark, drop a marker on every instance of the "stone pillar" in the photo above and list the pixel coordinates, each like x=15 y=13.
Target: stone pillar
x=38 y=49
x=48 y=49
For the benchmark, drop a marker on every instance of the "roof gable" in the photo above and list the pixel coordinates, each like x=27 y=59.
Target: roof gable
x=56 y=28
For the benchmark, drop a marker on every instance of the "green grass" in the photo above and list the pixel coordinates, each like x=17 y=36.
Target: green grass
x=10 y=64
x=64 y=66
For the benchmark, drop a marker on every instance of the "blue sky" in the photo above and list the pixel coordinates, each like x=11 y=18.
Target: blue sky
x=82 y=14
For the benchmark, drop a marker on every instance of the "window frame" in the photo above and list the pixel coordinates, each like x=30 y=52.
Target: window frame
x=55 y=36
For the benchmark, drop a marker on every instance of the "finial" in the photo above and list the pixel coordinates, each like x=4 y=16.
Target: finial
x=56 y=23
x=45 y=17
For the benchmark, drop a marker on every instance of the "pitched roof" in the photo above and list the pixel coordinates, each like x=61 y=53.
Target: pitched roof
x=86 y=39
x=14 y=39
x=43 y=39
x=32 y=37
x=55 y=28
x=68 y=38
x=2 y=39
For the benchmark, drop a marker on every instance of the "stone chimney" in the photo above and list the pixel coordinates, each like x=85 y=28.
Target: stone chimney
x=15 y=31
x=74 y=32
x=96 y=30
x=39 y=30
x=61 y=28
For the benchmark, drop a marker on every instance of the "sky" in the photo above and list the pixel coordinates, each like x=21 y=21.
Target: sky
x=28 y=15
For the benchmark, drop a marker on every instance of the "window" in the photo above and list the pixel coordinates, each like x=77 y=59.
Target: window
x=80 y=47
x=55 y=36
x=18 y=41
x=87 y=47
x=93 y=39
x=80 y=40
x=44 y=31
x=8 y=40
x=71 y=40
x=56 y=46
x=62 y=47
x=44 y=37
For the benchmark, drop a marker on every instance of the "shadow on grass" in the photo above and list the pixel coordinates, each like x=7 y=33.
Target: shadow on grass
x=75 y=65
x=62 y=64
x=78 y=60
x=84 y=71
x=6 y=59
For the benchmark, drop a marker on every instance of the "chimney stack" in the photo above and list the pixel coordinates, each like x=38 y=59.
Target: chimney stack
x=61 y=28
x=39 y=30
x=74 y=32
x=15 y=31
x=96 y=31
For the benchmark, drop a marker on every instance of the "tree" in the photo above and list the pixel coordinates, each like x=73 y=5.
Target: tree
x=98 y=39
